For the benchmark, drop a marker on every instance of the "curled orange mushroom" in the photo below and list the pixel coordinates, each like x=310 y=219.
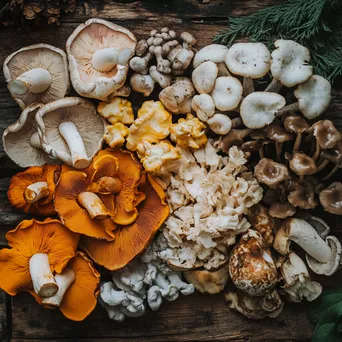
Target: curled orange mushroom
x=78 y=289
x=32 y=190
x=132 y=239
x=38 y=250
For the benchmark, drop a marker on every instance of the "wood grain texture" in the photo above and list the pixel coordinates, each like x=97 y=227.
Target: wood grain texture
x=3 y=317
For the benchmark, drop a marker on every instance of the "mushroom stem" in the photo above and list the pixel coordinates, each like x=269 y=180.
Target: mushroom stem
x=274 y=86
x=35 y=141
x=279 y=149
x=44 y=283
x=110 y=184
x=236 y=122
x=35 y=81
x=330 y=174
x=35 y=191
x=317 y=151
x=297 y=142
x=93 y=204
x=69 y=132
x=294 y=107
x=322 y=165
x=248 y=86
x=63 y=280
x=105 y=60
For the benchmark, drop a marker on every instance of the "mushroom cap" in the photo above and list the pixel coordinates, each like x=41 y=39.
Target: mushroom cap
x=314 y=96
x=251 y=266
x=16 y=140
x=227 y=93
x=289 y=63
x=31 y=237
x=20 y=181
x=302 y=165
x=82 y=113
x=277 y=133
x=213 y=52
x=131 y=240
x=271 y=173
x=282 y=210
x=325 y=133
x=204 y=76
x=43 y=56
x=331 y=198
x=333 y=264
x=81 y=297
x=208 y=282
x=259 y=109
x=87 y=38
x=334 y=155
x=250 y=60
x=303 y=196
x=234 y=137
x=296 y=124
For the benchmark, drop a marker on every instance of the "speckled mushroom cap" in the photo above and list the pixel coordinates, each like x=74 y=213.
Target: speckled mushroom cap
x=117 y=45
x=42 y=56
x=251 y=266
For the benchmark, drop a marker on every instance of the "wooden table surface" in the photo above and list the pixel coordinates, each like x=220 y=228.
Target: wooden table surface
x=194 y=318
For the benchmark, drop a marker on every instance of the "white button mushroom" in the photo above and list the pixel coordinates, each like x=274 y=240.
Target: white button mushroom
x=204 y=106
x=204 y=76
x=259 y=109
x=37 y=73
x=227 y=93
x=220 y=124
x=214 y=52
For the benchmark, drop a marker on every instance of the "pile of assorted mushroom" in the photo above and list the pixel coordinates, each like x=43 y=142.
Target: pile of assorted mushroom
x=207 y=186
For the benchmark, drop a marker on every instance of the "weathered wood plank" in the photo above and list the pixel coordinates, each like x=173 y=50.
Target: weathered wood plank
x=200 y=318
x=4 y=333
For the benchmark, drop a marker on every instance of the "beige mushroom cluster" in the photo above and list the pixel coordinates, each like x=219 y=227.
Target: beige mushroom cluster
x=160 y=58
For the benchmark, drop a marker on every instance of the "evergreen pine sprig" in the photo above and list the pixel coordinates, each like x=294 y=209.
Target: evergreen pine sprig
x=315 y=24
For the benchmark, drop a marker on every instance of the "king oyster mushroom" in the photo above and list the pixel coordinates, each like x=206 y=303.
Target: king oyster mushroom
x=98 y=53
x=251 y=266
x=37 y=73
x=70 y=130
x=21 y=140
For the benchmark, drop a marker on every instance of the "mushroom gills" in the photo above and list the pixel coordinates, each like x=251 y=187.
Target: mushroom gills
x=63 y=280
x=73 y=139
x=106 y=59
x=36 y=191
x=44 y=283
x=93 y=204
x=35 y=81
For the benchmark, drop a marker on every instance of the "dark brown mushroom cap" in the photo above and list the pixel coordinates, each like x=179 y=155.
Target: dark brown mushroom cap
x=325 y=133
x=251 y=146
x=331 y=198
x=303 y=196
x=296 y=124
x=334 y=155
x=259 y=134
x=278 y=134
x=301 y=164
x=282 y=210
x=234 y=137
x=251 y=266
x=271 y=173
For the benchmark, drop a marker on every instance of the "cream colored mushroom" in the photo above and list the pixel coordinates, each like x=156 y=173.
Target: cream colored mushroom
x=142 y=84
x=162 y=79
x=70 y=130
x=204 y=106
x=204 y=76
x=222 y=124
x=37 y=73
x=98 y=53
x=214 y=52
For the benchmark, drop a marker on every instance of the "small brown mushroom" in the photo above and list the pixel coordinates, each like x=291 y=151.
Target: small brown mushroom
x=282 y=210
x=331 y=198
x=298 y=125
x=334 y=156
x=271 y=173
x=302 y=165
x=303 y=196
x=234 y=137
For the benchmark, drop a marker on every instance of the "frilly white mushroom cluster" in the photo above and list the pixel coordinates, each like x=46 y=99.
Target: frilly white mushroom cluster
x=208 y=197
x=143 y=283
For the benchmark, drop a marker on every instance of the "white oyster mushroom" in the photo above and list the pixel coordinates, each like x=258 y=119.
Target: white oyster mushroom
x=259 y=109
x=142 y=84
x=227 y=93
x=298 y=285
x=289 y=64
x=215 y=53
x=204 y=76
x=204 y=106
x=323 y=257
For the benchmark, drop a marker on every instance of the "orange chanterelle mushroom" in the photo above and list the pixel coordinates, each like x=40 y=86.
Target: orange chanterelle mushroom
x=32 y=190
x=131 y=239
x=78 y=289
x=38 y=250
x=93 y=202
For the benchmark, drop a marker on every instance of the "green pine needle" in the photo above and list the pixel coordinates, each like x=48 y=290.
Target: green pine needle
x=315 y=24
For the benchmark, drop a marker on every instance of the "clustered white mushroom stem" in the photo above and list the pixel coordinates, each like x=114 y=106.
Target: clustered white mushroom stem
x=35 y=141
x=36 y=191
x=35 y=81
x=63 y=280
x=93 y=204
x=44 y=283
x=72 y=137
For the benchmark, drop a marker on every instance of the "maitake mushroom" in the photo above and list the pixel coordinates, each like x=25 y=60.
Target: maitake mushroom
x=98 y=53
x=37 y=73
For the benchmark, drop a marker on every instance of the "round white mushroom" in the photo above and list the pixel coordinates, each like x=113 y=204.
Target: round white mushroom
x=215 y=53
x=204 y=106
x=142 y=84
x=204 y=76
